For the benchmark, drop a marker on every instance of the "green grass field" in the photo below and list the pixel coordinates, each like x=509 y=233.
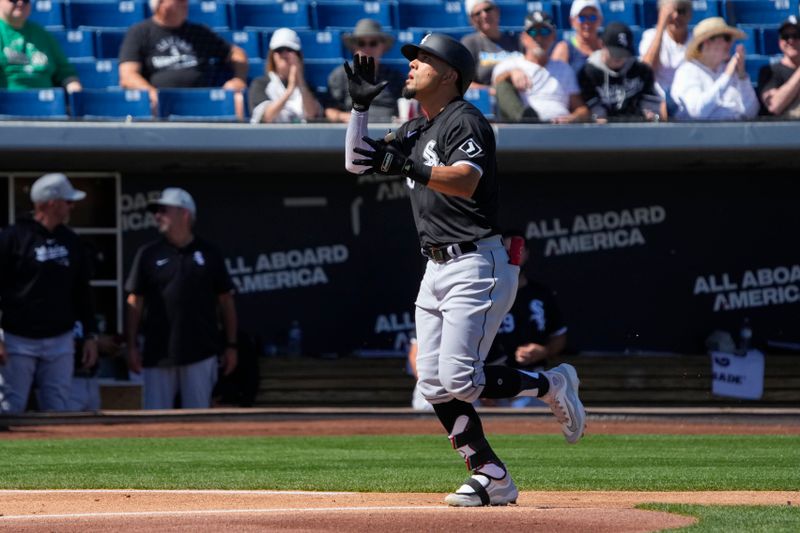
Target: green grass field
x=424 y=463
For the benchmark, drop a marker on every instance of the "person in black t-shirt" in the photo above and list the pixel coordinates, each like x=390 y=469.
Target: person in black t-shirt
x=779 y=83
x=167 y=50
x=44 y=290
x=615 y=85
x=447 y=156
x=176 y=285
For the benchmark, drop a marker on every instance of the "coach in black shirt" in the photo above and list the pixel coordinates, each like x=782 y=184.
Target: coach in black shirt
x=176 y=285
x=44 y=290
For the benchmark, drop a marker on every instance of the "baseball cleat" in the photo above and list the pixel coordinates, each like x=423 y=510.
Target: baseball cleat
x=480 y=490
x=564 y=401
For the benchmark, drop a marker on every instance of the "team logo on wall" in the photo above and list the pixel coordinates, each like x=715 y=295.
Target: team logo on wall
x=471 y=148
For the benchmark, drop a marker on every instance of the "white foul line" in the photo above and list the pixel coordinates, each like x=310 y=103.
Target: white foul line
x=219 y=511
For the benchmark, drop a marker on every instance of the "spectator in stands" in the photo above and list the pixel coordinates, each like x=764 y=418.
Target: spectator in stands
x=585 y=17
x=534 y=86
x=533 y=332
x=44 y=289
x=489 y=44
x=176 y=287
x=283 y=95
x=614 y=84
x=779 y=83
x=30 y=57
x=168 y=51
x=367 y=39
x=713 y=84
x=663 y=48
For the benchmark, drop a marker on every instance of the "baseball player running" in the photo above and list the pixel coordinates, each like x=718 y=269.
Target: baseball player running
x=448 y=159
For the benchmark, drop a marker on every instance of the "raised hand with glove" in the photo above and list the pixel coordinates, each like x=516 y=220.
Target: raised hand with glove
x=361 y=82
x=386 y=159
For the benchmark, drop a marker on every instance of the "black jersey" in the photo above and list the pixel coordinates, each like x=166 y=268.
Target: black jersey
x=460 y=134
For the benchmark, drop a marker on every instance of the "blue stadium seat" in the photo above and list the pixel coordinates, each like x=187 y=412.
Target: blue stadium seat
x=108 y=42
x=760 y=11
x=701 y=9
x=752 y=44
x=211 y=13
x=110 y=103
x=317 y=72
x=431 y=14
x=481 y=99
x=399 y=64
x=512 y=14
x=402 y=37
x=33 y=103
x=269 y=14
x=753 y=64
x=48 y=13
x=325 y=44
x=344 y=14
x=104 y=13
x=255 y=68
x=456 y=32
x=769 y=41
x=98 y=74
x=75 y=43
x=196 y=104
x=626 y=11
x=249 y=41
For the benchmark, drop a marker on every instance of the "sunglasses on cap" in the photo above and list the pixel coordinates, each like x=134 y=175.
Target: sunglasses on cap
x=372 y=43
x=583 y=19
x=488 y=9
x=540 y=31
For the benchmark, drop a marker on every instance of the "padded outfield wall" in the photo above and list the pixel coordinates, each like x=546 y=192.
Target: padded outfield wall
x=652 y=236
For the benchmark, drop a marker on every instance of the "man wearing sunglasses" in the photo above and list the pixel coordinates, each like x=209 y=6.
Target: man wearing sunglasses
x=44 y=290
x=663 y=48
x=30 y=57
x=542 y=89
x=779 y=83
x=489 y=44
x=367 y=39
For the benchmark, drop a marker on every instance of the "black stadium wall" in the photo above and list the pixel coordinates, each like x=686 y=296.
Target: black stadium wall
x=651 y=236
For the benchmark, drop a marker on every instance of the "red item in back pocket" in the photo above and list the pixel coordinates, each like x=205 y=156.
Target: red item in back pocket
x=515 y=250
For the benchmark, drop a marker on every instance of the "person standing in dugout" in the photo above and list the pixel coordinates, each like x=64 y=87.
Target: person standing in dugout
x=447 y=156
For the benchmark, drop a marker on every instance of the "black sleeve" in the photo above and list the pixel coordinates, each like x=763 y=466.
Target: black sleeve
x=136 y=280
x=767 y=79
x=588 y=92
x=256 y=92
x=131 y=47
x=222 y=279
x=469 y=139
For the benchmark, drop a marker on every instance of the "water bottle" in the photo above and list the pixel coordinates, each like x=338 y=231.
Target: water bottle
x=745 y=337
x=294 y=344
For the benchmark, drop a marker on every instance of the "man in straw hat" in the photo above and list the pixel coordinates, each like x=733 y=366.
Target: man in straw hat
x=713 y=84
x=779 y=83
x=367 y=39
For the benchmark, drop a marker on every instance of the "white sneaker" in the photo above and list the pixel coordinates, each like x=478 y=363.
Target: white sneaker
x=481 y=489
x=564 y=401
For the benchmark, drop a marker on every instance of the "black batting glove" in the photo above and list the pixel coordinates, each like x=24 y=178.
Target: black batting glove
x=361 y=81
x=386 y=159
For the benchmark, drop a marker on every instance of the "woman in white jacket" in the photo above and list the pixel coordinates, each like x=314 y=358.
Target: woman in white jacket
x=713 y=84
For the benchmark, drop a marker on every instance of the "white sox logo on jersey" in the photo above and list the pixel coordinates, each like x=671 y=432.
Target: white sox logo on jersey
x=471 y=148
x=430 y=159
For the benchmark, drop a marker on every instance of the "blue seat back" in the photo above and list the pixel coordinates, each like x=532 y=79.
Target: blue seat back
x=752 y=45
x=344 y=14
x=701 y=9
x=325 y=44
x=753 y=64
x=481 y=99
x=249 y=41
x=98 y=74
x=108 y=42
x=760 y=11
x=512 y=14
x=48 y=13
x=104 y=13
x=431 y=14
x=401 y=37
x=269 y=14
x=212 y=13
x=769 y=41
x=255 y=68
x=317 y=72
x=111 y=103
x=75 y=43
x=33 y=103
x=193 y=104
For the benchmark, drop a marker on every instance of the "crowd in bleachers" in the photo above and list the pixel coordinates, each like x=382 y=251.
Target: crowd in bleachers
x=92 y=62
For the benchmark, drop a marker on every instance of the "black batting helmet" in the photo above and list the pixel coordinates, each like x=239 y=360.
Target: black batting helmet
x=448 y=50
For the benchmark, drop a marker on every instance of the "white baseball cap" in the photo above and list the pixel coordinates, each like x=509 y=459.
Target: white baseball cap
x=470 y=5
x=54 y=186
x=285 y=37
x=175 y=197
x=580 y=5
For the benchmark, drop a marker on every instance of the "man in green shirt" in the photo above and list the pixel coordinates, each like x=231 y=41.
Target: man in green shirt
x=30 y=58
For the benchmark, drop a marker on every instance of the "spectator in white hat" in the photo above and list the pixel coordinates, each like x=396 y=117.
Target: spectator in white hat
x=489 y=44
x=713 y=83
x=585 y=17
x=283 y=94
x=44 y=291
x=178 y=287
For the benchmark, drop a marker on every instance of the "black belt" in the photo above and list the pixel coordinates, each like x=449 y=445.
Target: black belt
x=446 y=252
